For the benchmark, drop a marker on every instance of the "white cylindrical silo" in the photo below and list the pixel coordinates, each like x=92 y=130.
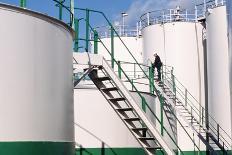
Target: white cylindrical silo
x=36 y=93
x=218 y=68
x=179 y=45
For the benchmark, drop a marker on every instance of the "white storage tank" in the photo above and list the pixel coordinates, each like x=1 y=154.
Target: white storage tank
x=177 y=37
x=36 y=93
x=218 y=59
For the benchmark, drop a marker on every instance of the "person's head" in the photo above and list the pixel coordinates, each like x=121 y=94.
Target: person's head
x=155 y=54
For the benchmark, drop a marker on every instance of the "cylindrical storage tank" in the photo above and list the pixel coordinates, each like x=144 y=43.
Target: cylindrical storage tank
x=179 y=44
x=36 y=93
x=218 y=68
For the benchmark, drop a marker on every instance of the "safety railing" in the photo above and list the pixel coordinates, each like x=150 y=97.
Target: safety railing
x=178 y=14
x=196 y=109
x=123 y=31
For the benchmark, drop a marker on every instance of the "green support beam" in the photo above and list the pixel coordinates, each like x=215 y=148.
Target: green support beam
x=95 y=42
x=162 y=114
x=23 y=3
x=151 y=79
x=61 y=11
x=87 y=31
x=76 y=43
x=119 y=70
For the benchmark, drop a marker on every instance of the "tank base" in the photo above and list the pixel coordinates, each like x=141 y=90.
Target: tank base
x=37 y=148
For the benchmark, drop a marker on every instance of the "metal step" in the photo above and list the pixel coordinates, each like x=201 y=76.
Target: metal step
x=117 y=99
x=132 y=119
x=139 y=129
x=146 y=138
x=109 y=89
x=124 y=109
x=106 y=78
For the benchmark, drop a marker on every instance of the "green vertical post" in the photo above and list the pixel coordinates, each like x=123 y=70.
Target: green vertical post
x=61 y=10
x=151 y=80
x=95 y=42
x=87 y=31
x=143 y=104
x=112 y=47
x=76 y=43
x=173 y=82
x=72 y=13
x=119 y=70
x=162 y=114
x=23 y=3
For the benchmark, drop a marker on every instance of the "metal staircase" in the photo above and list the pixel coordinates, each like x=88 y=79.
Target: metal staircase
x=126 y=107
x=208 y=137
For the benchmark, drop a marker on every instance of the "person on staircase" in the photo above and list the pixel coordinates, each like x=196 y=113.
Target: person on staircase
x=157 y=64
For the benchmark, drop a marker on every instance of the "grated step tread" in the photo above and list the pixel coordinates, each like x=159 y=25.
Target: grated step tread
x=132 y=119
x=124 y=109
x=109 y=89
x=117 y=99
x=105 y=78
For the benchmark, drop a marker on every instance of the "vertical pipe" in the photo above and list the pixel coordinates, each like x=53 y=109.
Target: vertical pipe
x=143 y=104
x=119 y=70
x=23 y=3
x=61 y=10
x=161 y=114
x=103 y=149
x=112 y=47
x=72 y=13
x=76 y=43
x=95 y=42
x=151 y=79
x=87 y=31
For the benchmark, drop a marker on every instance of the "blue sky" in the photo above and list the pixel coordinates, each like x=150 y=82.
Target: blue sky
x=112 y=8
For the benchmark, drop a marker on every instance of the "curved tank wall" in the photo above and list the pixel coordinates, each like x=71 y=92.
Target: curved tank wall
x=36 y=94
x=97 y=123
x=180 y=45
x=218 y=67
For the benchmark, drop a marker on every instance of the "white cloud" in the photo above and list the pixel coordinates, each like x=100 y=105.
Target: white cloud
x=139 y=7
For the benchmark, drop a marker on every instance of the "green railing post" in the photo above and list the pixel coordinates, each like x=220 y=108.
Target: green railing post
x=61 y=10
x=112 y=46
x=173 y=82
x=87 y=31
x=161 y=114
x=119 y=70
x=143 y=104
x=151 y=79
x=95 y=42
x=76 y=43
x=134 y=71
x=23 y=3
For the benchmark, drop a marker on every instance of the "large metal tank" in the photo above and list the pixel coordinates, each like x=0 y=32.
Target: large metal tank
x=36 y=94
x=178 y=40
x=218 y=68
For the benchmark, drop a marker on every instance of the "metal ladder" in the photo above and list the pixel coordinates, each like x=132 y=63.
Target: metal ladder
x=127 y=108
x=171 y=100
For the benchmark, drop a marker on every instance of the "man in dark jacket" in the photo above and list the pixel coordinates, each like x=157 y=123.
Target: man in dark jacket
x=157 y=64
